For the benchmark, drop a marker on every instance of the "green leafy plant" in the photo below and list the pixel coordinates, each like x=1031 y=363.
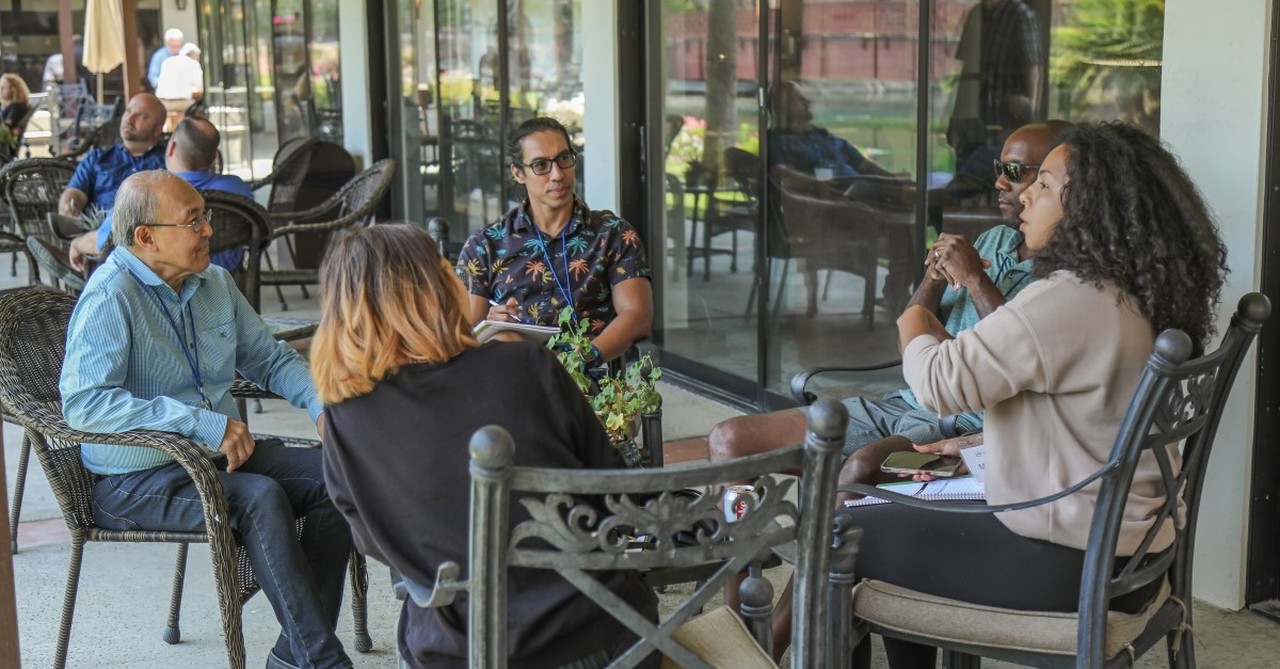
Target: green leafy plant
x=617 y=399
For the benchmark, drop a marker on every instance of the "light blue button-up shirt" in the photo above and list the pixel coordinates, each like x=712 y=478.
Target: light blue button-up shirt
x=125 y=368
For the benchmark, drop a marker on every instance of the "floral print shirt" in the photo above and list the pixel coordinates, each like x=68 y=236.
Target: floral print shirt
x=595 y=251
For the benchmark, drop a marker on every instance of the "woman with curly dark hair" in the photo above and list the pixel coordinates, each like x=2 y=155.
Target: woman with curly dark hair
x=1124 y=248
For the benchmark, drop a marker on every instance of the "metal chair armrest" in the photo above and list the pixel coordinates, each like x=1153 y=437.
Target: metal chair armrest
x=800 y=381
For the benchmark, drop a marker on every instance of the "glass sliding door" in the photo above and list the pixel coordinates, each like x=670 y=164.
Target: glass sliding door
x=707 y=236
x=842 y=230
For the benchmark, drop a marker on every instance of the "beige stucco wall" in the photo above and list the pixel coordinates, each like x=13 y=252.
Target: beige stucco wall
x=1213 y=116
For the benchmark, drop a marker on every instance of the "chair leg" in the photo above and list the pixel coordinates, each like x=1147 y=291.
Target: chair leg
x=782 y=288
x=279 y=293
x=359 y=576
x=733 y=257
x=955 y=660
x=172 y=632
x=18 y=487
x=69 y=602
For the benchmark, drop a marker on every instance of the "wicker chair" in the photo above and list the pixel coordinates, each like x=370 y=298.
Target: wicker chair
x=352 y=205
x=30 y=189
x=33 y=325
x=651 y=503
x=1178 y=401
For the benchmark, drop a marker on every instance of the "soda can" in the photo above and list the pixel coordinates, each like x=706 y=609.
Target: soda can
x=737 y=500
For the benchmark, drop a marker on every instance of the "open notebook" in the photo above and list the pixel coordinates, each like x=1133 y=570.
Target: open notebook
x=958 y=488
x=485 y=330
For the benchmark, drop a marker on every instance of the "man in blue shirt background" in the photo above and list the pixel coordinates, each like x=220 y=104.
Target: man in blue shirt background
x=102 y=171
x=172 y=44
x=191 y=153
x=189 y=332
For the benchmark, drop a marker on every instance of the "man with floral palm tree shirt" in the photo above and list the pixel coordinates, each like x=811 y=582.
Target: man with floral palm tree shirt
x=553 y=251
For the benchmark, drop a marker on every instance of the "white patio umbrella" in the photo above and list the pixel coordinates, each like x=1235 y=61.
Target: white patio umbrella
x=103 y=38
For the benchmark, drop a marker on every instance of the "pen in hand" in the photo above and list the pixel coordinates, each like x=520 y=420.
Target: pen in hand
x=508 y=310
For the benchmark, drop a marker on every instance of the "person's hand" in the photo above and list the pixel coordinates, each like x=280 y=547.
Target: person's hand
x=505 y=313
x=947 y=447
x=76 y=258
x=237 y=443
x=953 y=259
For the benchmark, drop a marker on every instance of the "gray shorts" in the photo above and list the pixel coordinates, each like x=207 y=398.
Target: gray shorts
x=872 y=420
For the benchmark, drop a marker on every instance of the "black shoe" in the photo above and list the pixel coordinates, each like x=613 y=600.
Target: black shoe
x=274 y=662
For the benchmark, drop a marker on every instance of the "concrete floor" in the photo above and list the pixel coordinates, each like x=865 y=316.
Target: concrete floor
x=124 y=588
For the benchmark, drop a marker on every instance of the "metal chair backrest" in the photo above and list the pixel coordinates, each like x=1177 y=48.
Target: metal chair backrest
x=30 y=188
x=1178 y=400
x=550 y=531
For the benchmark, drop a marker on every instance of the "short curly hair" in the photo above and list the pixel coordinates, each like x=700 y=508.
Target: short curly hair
x=1134 y=218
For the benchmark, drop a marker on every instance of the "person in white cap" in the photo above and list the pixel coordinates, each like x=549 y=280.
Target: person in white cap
x=181 y=83
x=172 y=43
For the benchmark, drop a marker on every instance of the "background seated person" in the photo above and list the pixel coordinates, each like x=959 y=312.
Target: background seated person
x=552 y=251
x=401 y=412
x=15 y=102
x=93 y=186
x=128 y=367
x=1124 y=248
x=191 y=153
x=801 y=148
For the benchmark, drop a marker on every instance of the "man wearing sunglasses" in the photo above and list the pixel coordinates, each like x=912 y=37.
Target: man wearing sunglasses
x=963 y=283
x=552 y=252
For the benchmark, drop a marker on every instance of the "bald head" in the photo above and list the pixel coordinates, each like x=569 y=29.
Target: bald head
x=143 y=122
x=1024 y=151
x=194 y=146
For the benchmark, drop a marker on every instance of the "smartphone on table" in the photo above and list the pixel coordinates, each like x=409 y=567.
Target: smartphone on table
x=905 y=462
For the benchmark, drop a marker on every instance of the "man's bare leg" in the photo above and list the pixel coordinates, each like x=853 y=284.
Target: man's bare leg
x=757 y=433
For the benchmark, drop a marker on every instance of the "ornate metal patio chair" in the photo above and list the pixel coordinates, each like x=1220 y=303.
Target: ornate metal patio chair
x=649 y=504
x=1178 y=401
x=354 y=204
x=33 y=326
x=30 y=189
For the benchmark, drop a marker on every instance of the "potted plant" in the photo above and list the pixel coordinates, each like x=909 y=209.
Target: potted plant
x=619 y=399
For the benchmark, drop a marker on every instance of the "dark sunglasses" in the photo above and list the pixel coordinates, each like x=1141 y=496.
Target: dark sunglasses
x=1013 y=170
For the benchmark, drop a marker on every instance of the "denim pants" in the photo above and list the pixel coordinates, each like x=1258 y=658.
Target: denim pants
x=301 y=575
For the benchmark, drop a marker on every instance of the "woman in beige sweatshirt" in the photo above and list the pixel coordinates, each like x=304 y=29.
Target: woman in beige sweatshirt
x=1124 y=248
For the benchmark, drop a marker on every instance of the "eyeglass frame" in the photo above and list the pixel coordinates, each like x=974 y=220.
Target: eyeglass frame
x=567 y=154
x=194 y=225
x=1001 y=168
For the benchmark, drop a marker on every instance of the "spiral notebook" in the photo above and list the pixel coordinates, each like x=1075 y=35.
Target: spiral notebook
x=485 y=330
x=952 y=489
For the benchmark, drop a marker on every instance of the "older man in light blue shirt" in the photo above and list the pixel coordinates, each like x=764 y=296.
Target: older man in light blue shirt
x=154 y=343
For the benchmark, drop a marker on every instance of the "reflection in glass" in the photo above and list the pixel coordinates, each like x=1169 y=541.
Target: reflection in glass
x=712 y=173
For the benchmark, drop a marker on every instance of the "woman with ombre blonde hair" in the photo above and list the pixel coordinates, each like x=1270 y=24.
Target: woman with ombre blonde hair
x=405 y=386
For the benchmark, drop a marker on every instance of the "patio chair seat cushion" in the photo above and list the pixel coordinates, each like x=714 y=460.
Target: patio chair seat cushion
x=912 y=612
x=721 y=639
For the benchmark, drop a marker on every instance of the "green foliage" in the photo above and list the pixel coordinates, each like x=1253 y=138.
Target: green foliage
x=1109 y=52
x=618 y=400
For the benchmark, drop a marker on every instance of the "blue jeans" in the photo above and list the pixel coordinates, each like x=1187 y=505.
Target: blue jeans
x=301 y=575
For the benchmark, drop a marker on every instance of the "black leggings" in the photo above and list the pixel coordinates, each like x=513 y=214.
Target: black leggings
x=972 y=558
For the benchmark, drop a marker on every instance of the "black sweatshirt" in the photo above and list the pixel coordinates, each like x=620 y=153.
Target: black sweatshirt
x=396 y=463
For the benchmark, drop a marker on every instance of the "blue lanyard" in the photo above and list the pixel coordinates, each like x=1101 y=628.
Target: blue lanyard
x=564 y=288
x=193 y=356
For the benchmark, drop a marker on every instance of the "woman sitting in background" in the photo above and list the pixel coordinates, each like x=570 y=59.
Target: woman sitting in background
x=1124 y=248
x=405 y=386
x=15 y=102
